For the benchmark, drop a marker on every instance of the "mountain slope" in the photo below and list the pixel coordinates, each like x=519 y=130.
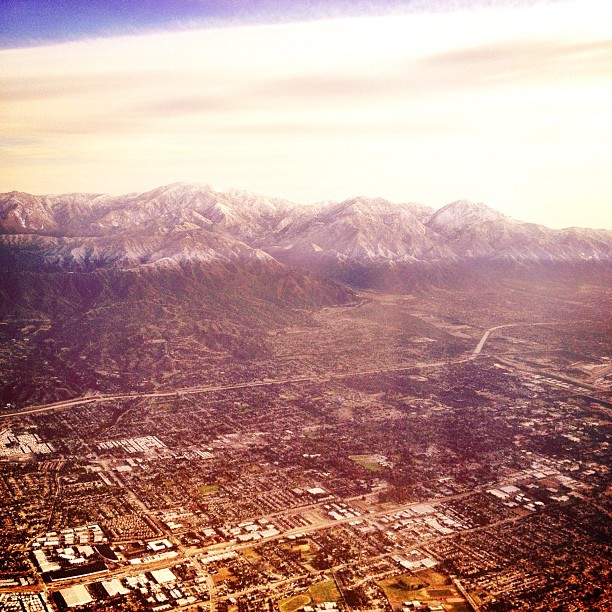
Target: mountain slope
x=177 y=206
x=196 y=218
x=363 y=242
x=141 y=291
x=178 y=284
x=361 y=228
x=475 y=230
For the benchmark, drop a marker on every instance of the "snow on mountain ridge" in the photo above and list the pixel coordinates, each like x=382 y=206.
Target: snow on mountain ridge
x=462 y=213
x=365 y=231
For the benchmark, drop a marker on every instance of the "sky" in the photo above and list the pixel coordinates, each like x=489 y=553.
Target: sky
x=505 y=103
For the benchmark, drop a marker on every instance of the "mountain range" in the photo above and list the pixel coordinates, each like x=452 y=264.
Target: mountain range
x=106 y=293
x=184 y=224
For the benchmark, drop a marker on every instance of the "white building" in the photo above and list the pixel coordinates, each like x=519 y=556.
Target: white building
x=76 y=595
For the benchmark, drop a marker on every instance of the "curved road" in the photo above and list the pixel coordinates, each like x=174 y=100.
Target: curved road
x=487 y=333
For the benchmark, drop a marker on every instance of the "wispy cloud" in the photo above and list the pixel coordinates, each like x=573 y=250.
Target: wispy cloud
x=519 y=61
x=508 y=106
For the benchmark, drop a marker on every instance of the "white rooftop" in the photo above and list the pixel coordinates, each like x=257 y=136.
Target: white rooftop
x=76 y=595
x=114 y=587
x=163 y=575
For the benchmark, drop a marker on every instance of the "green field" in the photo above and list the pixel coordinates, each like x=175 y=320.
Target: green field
x=366 y=461
x=425 y=586
x=440 y=593
x=402 y=588
x=317 y=593
x=208 y=489
x=324 y=591
x=293 y=603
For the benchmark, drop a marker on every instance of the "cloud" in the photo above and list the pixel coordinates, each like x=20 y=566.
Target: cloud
x=70 y=86
x=194 y=105
x=492 y=105
x=501 y=64
x=520 y=61
x=353 y=130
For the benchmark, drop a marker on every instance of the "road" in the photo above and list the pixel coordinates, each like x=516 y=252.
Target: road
x=471 y=601
x=100 y=398
x=58 y=488
x=91 y=399
x=489 y=331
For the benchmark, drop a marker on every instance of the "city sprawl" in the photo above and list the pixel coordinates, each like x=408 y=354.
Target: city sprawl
x=397 y=453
